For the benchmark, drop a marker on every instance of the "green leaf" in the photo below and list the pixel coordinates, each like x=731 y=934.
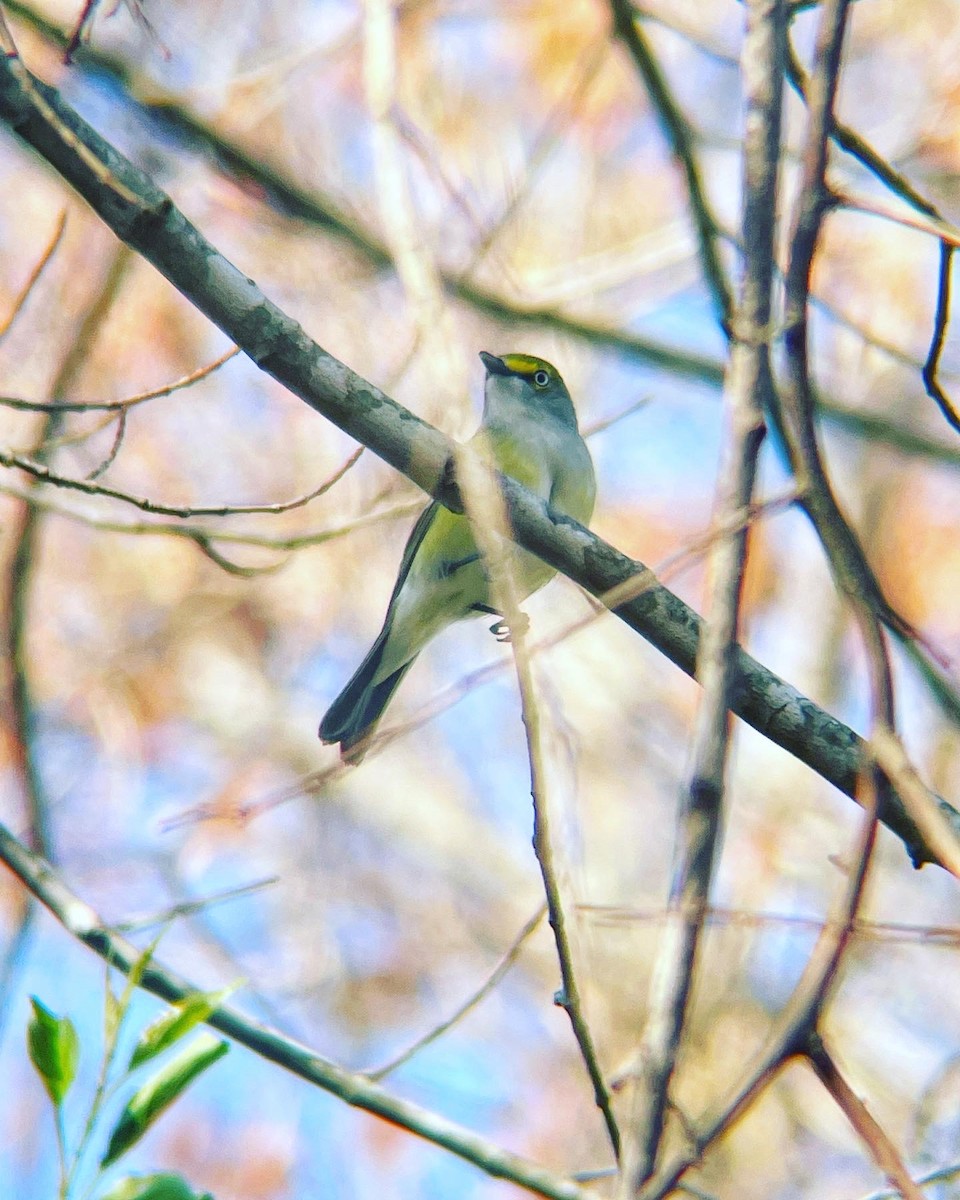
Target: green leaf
x=160 y=1091
x=54 y=1050
x=177 y=1023
x=112 y=1015
x=153 y=1187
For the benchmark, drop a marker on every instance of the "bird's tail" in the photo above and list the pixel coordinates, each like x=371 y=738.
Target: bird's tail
x=351 y=718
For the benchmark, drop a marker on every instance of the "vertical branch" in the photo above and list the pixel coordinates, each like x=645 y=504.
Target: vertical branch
x=852 y=573
x=845 y=554
x=485 y=507
x=797 y=1024
x=543 y=844
x=674 y=125
x=25 y=532
x=408 y=245
x=25 y=527
x=748 y=388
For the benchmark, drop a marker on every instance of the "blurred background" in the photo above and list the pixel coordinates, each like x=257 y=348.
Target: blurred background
x=416 y=182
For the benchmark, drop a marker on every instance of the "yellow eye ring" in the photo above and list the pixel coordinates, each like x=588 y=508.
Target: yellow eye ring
x=541 y=379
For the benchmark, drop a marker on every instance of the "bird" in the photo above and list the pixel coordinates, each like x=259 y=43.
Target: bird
x=529 y=432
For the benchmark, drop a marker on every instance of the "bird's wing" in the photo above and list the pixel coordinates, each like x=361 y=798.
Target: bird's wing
x=417 y=534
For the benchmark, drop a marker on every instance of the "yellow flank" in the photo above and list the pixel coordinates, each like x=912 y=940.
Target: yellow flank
x=448 y=539
x=512 y=457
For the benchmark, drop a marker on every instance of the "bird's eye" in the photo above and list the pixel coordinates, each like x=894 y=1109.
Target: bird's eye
x=541 y=379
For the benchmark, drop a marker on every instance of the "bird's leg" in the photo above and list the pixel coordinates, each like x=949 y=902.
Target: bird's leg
x=500 y=629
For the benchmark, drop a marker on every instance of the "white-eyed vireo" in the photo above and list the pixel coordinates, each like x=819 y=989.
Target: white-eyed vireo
x=529 y=432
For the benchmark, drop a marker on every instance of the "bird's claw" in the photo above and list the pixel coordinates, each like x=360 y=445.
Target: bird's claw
x=502 y=631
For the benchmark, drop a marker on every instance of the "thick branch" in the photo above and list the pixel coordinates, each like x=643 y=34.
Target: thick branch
x=152 y=226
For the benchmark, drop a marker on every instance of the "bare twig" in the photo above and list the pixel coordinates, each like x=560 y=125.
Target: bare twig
x=119 y=406
x=24 y=294
x=797 y=1022
x=630 y=30
x=931 y=367
x=884 y=1152
x=489 y=984
x=488 y=518
x=900 y=186
x=42 y=473
x=205 y=537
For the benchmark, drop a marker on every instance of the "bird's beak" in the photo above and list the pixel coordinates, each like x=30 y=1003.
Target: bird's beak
x=494 y=365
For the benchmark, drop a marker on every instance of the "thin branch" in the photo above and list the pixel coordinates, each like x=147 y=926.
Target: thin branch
x=34 y=277
x=934 y=226
x=488 y=520
x=42 y=473
x=107 y=462
x=472 y=1001
x=848 y=562
x=931 y=368
x=119 y=406
x=80 y=920
x=900 y=186
x=570 y=998
x=946 y=936
x=940 y=1175
x=204 y=536
x=629 y=29
x=797 y=1021
x=25 y=531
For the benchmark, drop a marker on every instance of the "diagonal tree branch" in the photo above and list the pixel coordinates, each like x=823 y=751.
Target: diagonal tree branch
x=155 y=228
x=287 y=195
x=629 y=29
x=79 y=919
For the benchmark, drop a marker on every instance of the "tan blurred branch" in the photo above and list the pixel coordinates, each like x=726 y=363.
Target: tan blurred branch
x=408 y=247
x=32 y=279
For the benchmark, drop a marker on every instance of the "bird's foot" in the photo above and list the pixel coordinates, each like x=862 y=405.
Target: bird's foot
x=503 y=632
